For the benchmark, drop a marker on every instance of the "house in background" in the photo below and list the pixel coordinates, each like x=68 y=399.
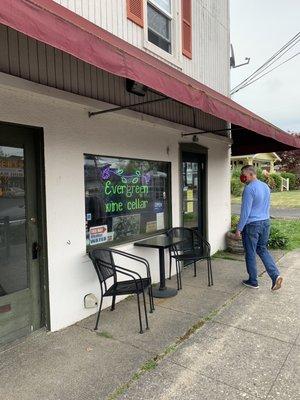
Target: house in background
x=265 y=161
x=121 y=116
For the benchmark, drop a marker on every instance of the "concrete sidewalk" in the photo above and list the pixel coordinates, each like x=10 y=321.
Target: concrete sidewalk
x=223 y=342
x=250 y=350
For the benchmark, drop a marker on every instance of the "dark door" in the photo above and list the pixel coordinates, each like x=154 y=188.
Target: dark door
x=20 y=305
x=193 y=191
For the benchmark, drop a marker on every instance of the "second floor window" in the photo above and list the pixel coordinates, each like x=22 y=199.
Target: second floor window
x=159 y=14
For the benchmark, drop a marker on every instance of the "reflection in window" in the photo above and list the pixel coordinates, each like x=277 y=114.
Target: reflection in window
x=13 y=266
x=125 y=198
x=159 y=23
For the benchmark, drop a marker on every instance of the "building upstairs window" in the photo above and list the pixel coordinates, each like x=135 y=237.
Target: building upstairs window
x=163 y=22
x=159 y=15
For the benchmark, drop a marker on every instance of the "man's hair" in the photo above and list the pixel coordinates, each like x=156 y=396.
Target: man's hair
x=249 y=168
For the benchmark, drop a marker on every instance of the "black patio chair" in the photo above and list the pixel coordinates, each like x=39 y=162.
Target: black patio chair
x=103 y=261
x=193 y=249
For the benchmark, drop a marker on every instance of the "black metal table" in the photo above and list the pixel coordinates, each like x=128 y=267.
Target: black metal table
x=161 y=242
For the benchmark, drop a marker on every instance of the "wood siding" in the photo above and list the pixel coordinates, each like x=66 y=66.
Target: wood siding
x=210 y=35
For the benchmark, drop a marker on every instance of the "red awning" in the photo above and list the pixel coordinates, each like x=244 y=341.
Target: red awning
x=48 y=22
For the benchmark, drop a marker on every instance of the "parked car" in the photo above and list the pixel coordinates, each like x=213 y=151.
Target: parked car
x=15 y=192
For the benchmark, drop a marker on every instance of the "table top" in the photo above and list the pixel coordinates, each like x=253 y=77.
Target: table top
x=159 y=242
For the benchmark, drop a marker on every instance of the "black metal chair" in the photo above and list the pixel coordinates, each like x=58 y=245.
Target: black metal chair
x=103 y=261
x=193 y=249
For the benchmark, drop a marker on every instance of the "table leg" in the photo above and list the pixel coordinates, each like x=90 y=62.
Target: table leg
x=163 y=291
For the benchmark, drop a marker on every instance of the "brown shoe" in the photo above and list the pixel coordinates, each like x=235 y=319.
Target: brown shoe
x=277 y=284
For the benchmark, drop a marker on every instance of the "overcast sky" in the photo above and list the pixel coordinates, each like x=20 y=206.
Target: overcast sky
x=258 y=29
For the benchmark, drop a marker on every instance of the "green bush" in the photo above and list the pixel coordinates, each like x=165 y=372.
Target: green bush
x=236 y=172
x=278 y=239
x=277 y=181
x=236 y=187
x=260 y=175
x=293 y=180
x=270 y=182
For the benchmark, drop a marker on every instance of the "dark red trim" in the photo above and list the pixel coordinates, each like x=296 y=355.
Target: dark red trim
x=59 y=27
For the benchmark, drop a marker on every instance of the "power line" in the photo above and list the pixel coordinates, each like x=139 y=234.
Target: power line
x=274 y=58
x=278 y=57
x=289 y=44
x=266 y=73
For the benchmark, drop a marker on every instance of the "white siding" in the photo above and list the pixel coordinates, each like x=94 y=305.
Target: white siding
x=210 y=63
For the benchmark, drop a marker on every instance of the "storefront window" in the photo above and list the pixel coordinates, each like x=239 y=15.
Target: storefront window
x=125 y=198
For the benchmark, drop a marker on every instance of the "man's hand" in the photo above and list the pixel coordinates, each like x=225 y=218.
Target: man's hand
x=238 y=234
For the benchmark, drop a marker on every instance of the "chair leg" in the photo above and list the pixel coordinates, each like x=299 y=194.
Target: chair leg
x=208 y=272
x=195 y=269
x=98 y=317
x=113 y=303
x=177 y=275
x=170 y=266
x=152 y=300
x=211 y=274
x=139 y=311
x=145 y=309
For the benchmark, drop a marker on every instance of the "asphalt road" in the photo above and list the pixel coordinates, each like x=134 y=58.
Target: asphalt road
x=287 y=213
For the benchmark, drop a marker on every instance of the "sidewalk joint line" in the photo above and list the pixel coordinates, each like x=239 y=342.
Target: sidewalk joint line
x=153 y=362
x=254 y=333
x=217 y=380
x=118 y=340
x=279 y=371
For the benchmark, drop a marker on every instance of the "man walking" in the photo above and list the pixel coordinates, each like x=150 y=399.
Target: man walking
x=254 y=226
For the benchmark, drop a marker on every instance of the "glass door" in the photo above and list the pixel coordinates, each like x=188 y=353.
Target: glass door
x=193 y=187
x=20 y=310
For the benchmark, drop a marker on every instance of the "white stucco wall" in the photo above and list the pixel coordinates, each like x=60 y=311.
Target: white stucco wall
x=68 y=134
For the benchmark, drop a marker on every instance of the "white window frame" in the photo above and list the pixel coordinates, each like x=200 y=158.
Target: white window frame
x=175 y=57
x=156 y=5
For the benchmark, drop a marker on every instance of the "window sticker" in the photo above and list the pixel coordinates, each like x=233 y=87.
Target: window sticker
x=98 y=234
x=151 y=226
x=160 y=220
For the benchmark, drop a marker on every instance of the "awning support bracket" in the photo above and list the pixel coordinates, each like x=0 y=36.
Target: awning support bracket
x=210 y=131
x=92 y=113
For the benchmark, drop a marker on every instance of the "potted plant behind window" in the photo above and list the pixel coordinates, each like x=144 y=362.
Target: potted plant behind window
x=234 y=245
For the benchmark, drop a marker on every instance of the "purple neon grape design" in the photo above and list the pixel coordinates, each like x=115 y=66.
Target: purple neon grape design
x=106 y=173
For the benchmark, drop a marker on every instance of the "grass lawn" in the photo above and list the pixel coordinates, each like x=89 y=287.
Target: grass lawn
x=279 y=199
x=292 y=229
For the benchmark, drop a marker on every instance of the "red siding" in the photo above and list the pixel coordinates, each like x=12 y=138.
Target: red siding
x=186 y=26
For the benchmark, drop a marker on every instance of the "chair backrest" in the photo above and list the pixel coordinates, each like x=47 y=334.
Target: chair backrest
x=185 y=233
x=201 y=244
x=104 y=264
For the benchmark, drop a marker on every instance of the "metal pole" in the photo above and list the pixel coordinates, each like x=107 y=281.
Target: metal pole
x=91 y=114
x=210 y=131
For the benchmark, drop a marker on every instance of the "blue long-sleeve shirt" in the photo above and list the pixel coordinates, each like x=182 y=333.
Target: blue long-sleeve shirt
x=255 y=203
